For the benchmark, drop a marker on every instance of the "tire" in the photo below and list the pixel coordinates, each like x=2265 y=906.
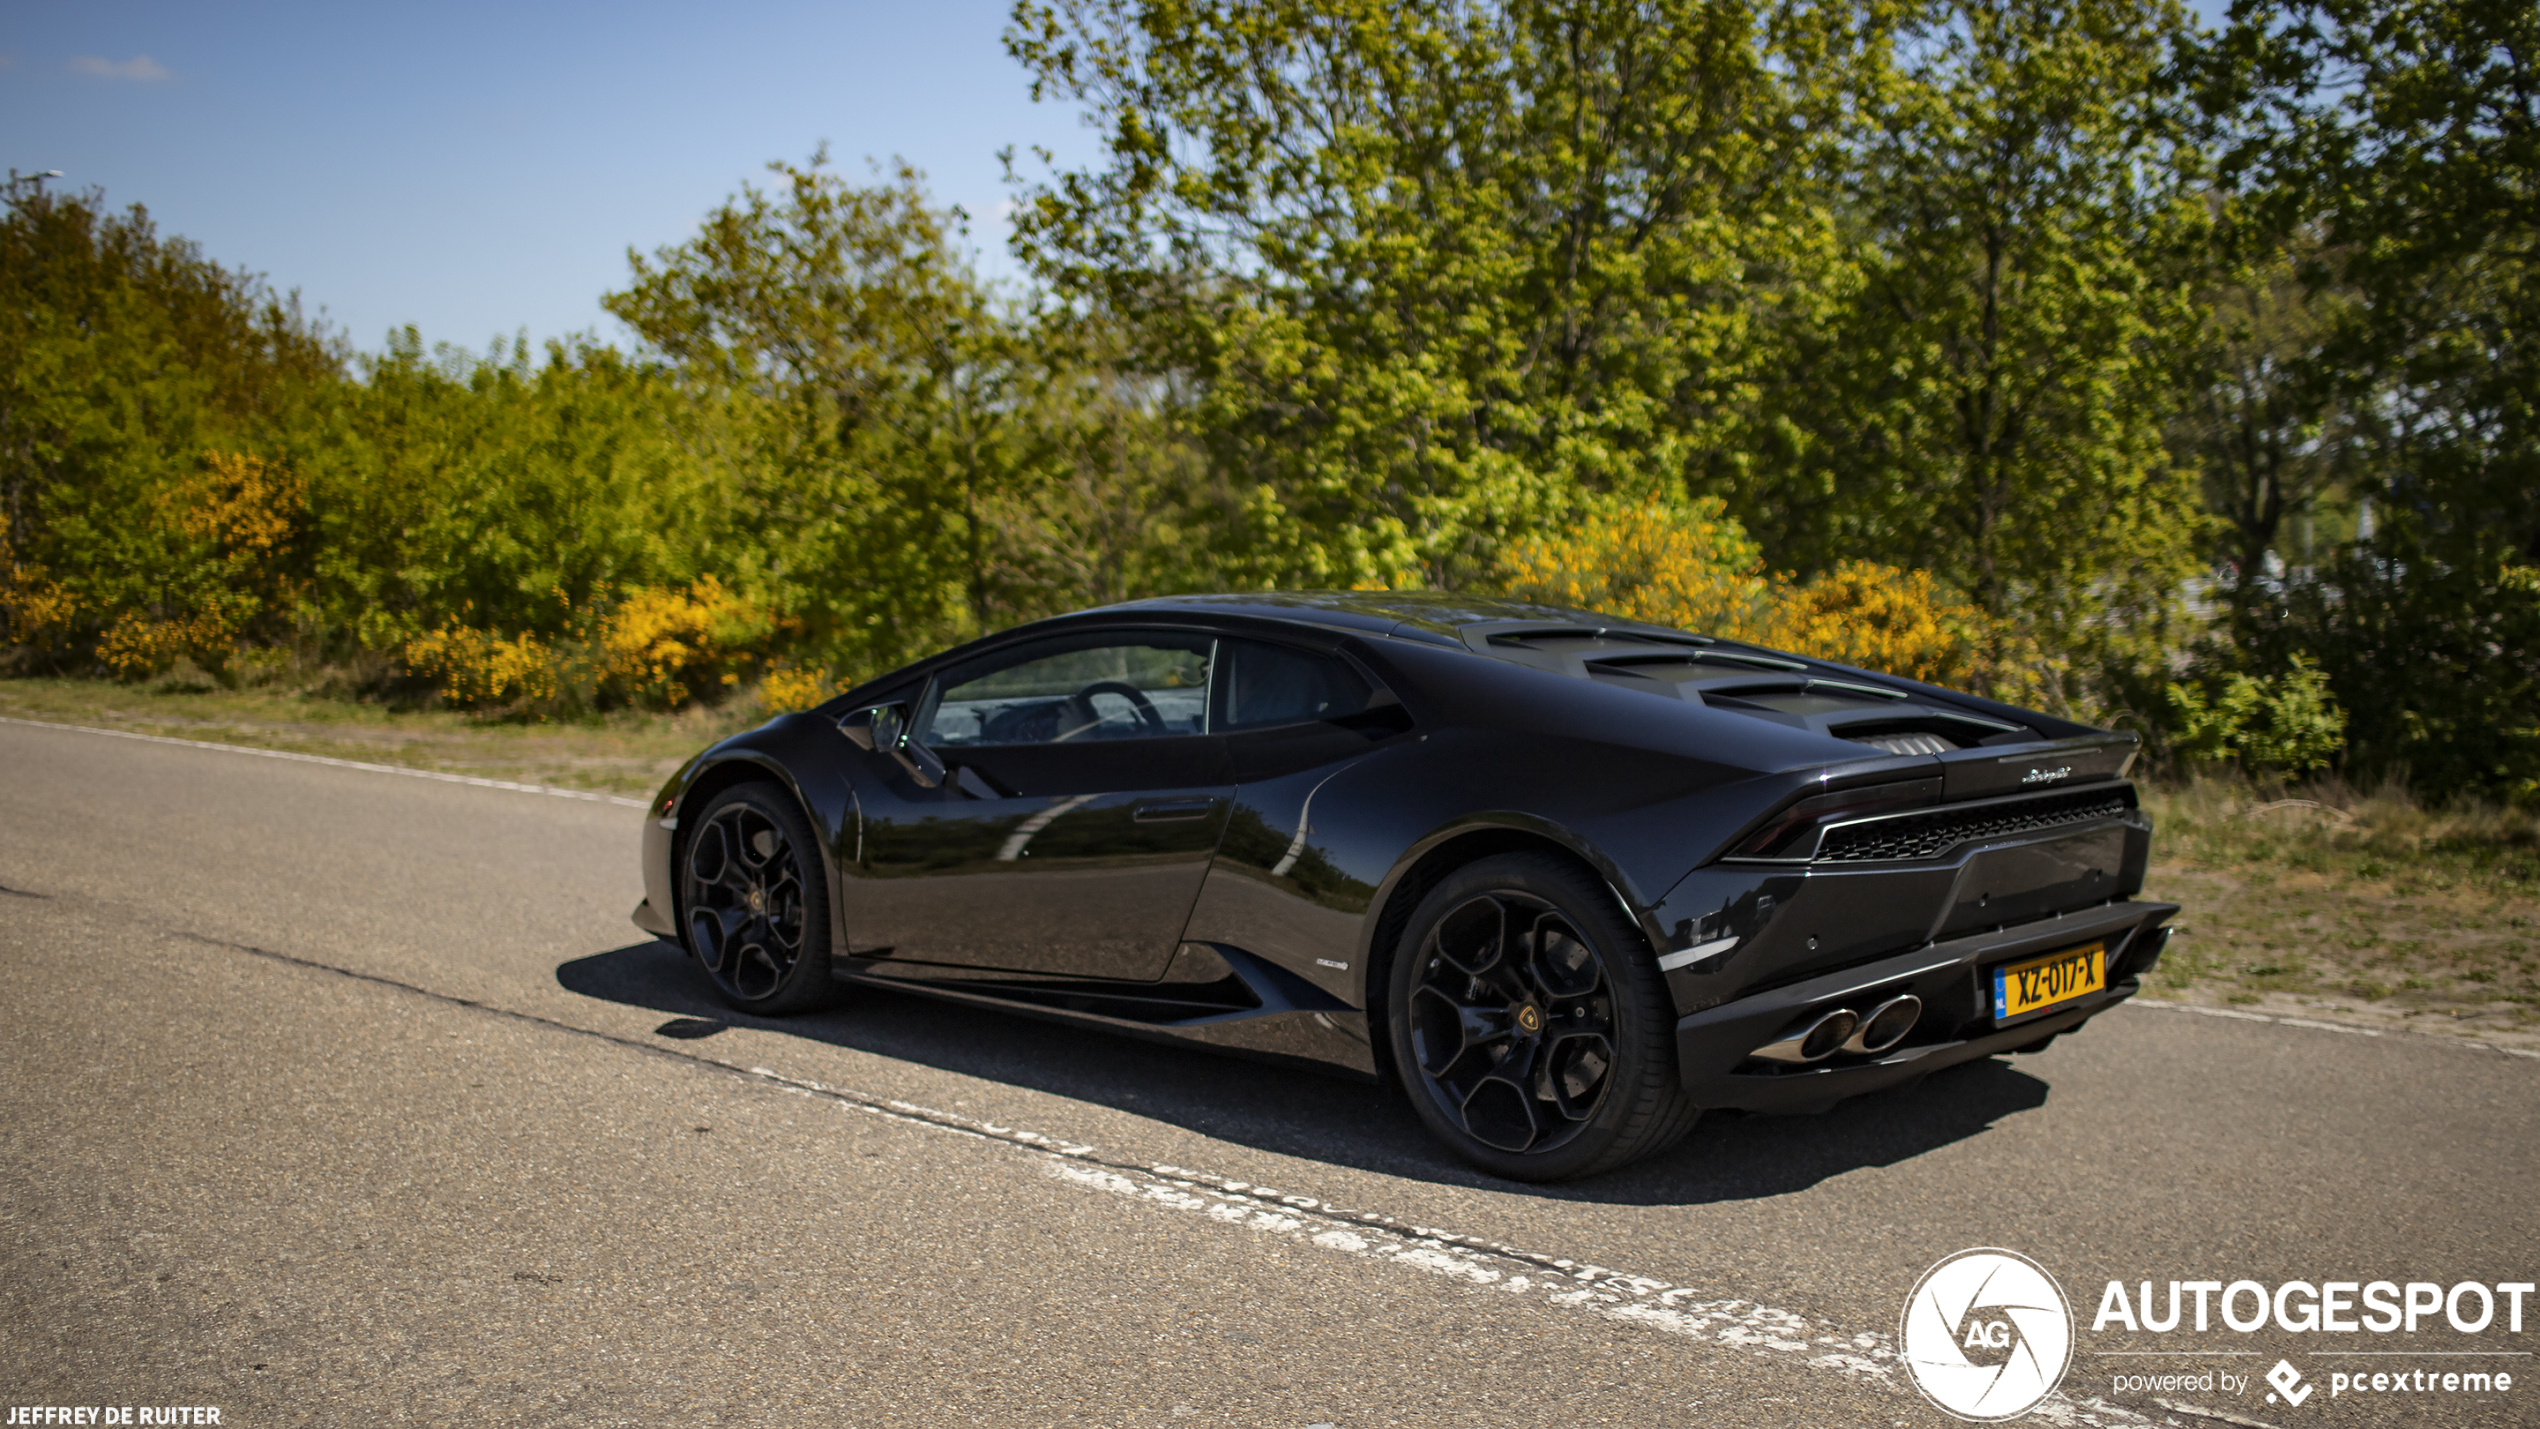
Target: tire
x=754 y=901
x=1524 y=960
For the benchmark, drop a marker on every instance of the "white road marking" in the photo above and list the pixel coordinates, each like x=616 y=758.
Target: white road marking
x=515 y=787
x=1863 y=1357
x=2216 y=1415
x=2237 y=1015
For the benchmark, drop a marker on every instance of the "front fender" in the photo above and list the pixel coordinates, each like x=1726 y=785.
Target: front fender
x=786 y=751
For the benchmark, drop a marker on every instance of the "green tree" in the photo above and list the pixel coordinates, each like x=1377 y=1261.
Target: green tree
x=1434 y=273
x=2269 y=421
x=2407 y=133
x=510 y=493
x=894 y=387
x=126 y=359
x=1991 y=402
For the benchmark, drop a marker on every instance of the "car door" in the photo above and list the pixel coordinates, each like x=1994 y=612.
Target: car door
x=1287 y=883
x=1051 y=807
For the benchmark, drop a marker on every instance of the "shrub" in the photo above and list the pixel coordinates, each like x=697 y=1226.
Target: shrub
x=1695 y=568
x=656 y=645
x=787 y=688
x=1882 y=618
x=2286 y=723
x=653 y=648
x=1692 y=567
x=475 y=668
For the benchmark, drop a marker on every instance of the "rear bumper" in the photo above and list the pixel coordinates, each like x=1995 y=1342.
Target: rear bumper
x=1713 y=1047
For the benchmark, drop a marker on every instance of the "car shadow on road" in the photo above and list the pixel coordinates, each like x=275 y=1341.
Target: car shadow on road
x=1290 y=1112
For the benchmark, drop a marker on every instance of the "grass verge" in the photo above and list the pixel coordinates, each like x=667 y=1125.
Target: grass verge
x=629 y=752
x=2366 y=908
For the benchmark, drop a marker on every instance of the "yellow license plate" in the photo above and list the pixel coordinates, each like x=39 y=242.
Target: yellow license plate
x=2040 y=983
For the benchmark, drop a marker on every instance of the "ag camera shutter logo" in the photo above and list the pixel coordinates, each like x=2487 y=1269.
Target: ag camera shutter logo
x=1987 y=1334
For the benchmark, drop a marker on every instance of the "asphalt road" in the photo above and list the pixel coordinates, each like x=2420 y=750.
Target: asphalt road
x=338 y=1097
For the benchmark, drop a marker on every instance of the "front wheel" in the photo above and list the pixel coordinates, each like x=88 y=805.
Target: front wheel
x=755 y=902
x=1530 y=1024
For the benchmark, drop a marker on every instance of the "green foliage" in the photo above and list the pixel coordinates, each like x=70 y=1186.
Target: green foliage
x=1900 y=283
x=2405 y=134
x=2287 y=723
x=2271 y=422
x=1989 y=320
x=124 y=359
x=511 y=493
x=1431 y=272
x=1991 y=398
x=921 y=463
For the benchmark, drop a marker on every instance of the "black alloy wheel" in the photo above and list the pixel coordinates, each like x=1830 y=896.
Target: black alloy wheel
x=1531 y=1025
x=755 y=903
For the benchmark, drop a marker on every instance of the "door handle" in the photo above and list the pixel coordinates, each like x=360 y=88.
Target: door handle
x=1165 y=811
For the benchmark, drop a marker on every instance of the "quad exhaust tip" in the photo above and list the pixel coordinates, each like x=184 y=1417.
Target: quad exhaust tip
x=1886 y=1025
x=1813 y=1041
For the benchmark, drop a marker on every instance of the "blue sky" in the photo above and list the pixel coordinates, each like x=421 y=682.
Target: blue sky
x=476 y=169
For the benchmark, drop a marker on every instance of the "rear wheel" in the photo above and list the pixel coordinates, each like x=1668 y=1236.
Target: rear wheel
x=1531 y=1026
x=755 y=902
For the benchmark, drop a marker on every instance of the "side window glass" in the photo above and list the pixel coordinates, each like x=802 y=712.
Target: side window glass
x=1076 y=688
x=1270 y=685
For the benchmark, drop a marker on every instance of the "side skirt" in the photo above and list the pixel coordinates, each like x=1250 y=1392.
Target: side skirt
x=1213 y=996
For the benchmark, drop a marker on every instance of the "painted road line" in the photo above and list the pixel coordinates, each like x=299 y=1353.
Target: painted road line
x=1478 y=1264
x=2236 y=1015
x=512 y=785
x=1684 y=1311
x=1470 y=1261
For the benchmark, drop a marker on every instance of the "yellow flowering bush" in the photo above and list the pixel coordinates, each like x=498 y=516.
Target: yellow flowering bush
x=138 y=645
x=1695 y=568
x=788 y=688
x=247 y=508
x=239 y=517
x=654 y=646
x=35 y=609
x=1881 y=618
x=474 y=667
x=653 y=642
x=1692 y=567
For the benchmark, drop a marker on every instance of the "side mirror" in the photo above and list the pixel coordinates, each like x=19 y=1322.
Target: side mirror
x=877 y=727
x=884 y=728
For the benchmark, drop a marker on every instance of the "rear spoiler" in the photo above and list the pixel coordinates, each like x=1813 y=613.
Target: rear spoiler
x=1988 y=770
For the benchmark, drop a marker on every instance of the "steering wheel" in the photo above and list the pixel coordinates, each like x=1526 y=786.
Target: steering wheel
x=1082 y=703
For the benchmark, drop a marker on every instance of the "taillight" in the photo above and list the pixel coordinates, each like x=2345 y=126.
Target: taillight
x=1792 y=833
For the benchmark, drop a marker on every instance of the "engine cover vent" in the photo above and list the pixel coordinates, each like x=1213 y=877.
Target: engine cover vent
x=1909 y=742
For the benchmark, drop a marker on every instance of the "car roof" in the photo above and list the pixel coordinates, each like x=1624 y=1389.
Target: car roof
x=1555 y=639
x=1442 y=617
